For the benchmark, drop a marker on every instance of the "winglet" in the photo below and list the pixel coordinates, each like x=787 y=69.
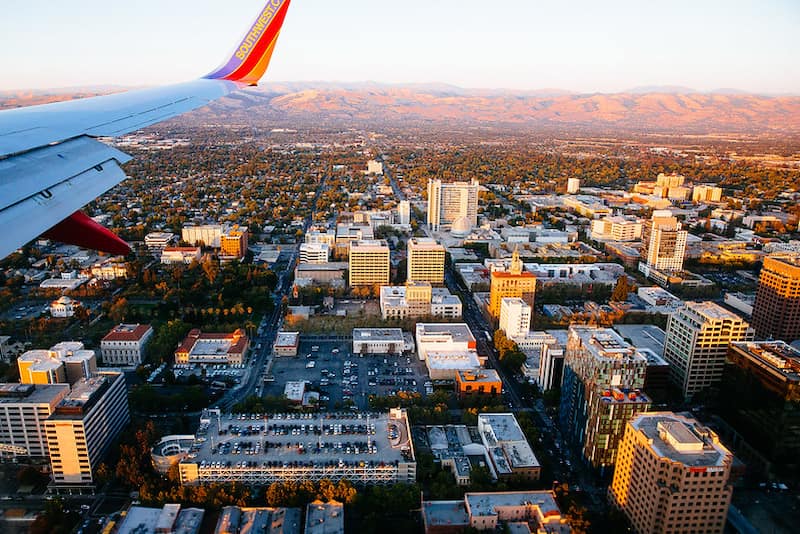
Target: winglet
x=251 y=58
x=79 y=229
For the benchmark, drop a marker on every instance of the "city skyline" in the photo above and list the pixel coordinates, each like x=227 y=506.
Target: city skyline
x=747 y=46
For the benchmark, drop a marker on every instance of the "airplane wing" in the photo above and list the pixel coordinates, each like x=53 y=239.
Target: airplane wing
x=51 y=163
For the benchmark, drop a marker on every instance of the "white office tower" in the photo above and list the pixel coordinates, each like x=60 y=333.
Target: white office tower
x=696 y=344
x=404 y=212
x=573 y=185
x=450 y=202
x=314 y=253
x=515 y=317
x=664 y=242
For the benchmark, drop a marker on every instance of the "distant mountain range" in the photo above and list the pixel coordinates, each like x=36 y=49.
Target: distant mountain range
x=657 y=109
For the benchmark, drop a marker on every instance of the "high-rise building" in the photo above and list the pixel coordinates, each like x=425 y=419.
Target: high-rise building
x=515 y=317
x=404 y=212
x=672 y=475
x=369 y=263
x=233 y=242
x=776 y=312
x=448 y=202
x=573 y=185
x=425 y=260
x=664 y=243
x=698 y=335
x=515 y=282
x=83 y=425
x=600 y=391
x=315 y=253
x=24 y=408
x=760 y=400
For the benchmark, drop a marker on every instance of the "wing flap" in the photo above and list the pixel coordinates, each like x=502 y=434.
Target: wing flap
x=58 y=190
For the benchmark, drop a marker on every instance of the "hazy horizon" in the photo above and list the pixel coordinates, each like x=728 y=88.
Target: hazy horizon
x=582 y=47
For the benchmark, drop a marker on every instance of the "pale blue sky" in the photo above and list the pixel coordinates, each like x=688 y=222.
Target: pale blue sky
x=583 y=46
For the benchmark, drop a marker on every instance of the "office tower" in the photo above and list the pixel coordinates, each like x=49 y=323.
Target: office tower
x=698 y=335
x=664 y=243
x=760 y=399
x=425 y=261
x=233 y=242
x=600 y=391
x=672 y=475
x=573 y=185
x=83 y=425
x=315 y=253
x=404 y=212
x=670 y=180
x=776 y=312
x=515 y=317
x=516 y=282
x=369 y=263
x=448 y=202
x=24 y=408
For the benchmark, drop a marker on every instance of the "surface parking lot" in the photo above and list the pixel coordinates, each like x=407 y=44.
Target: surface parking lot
x=340 y=376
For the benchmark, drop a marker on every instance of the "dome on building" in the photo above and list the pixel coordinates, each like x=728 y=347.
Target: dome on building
x=461 y=227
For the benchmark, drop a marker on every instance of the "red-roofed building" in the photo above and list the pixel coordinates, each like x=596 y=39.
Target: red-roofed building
x=125 y=344
x=213 y=348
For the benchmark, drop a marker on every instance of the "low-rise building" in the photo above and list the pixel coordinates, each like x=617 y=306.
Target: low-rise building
x=315 y=253
x=447 y=348
x=286 y=344
x=485 y=511
x=324 y=518
x=180 y=255
x=509 y=451
x=321 y=273
x=65 y=362
x=481 y=382
x=64 y=307
x=125 y=344
x=170 y=519
x=364 y=448
x=213 y=348
x=235 y=520
x=110 y=269
x=658 y=299
x=158 y=241
x=418 y=299
x=378 y=341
